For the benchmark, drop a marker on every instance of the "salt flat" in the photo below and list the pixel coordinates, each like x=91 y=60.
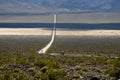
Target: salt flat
x=41 y=31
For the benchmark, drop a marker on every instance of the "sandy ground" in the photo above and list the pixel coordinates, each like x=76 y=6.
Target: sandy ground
x=39 y=31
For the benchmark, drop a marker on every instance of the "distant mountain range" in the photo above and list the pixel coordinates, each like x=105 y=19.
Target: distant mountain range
x=60 y=6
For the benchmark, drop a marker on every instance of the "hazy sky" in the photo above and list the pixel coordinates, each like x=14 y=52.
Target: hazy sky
x=31 y=10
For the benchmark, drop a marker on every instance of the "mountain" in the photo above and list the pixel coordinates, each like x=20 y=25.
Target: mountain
x=61 y=6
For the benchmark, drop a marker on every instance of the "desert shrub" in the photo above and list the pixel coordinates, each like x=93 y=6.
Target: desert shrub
x=38 y=75
x=21 y=76
x=22 y=60
x=85 y=69
x=40 y=63
x=97 y=60
x=31 y=57
x=31 y=71
x=44 y=69
x=1 y=78
x=51 y=74
x=7 y=76
x=54 y=74
x=79 y=60
x=53 y=64
x=114 y=71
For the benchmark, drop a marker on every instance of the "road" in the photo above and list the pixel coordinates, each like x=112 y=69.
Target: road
x=44 y=50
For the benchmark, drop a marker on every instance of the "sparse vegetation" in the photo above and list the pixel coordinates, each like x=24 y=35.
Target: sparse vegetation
x=114 y=71
x=20 y=61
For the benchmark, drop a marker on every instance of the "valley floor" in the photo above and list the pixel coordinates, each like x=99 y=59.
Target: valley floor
x=86 y=58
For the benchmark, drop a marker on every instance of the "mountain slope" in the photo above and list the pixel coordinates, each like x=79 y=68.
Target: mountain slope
x=43 y=6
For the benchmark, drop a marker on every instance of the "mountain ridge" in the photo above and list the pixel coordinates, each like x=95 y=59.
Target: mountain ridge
x=60 y=6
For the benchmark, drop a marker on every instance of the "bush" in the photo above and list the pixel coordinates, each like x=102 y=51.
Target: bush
x=40 y=63
x=53 y=64
x=22 y=61
x=7 y=76
x=37 y=75
x=115 y=70
x=20 y=76
x=54 y=74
